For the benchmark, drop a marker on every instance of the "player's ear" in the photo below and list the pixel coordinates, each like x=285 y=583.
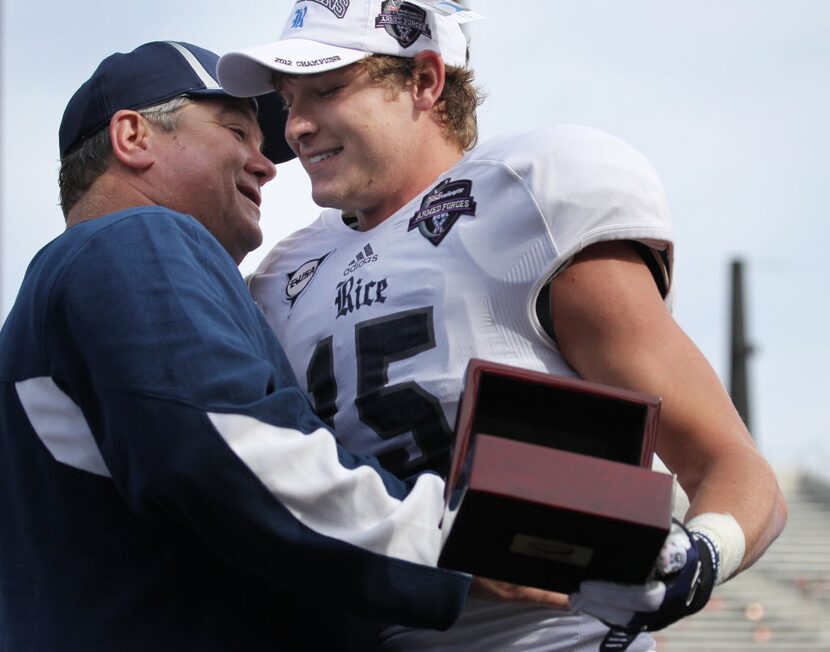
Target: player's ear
x=430 y=75
x=130 y=135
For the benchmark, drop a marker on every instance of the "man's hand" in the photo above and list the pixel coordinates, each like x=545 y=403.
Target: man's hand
x=685 y=574
x=488 y=589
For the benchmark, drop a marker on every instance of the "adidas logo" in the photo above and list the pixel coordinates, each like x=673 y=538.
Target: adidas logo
x=361 y=258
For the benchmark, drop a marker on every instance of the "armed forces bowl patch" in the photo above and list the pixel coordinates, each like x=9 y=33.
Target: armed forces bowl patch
x=441 y=207
x=403 y=21
x=299 y=279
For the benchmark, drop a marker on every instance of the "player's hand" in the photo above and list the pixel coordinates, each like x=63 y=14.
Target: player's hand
x=488 y=589
x=684 y=577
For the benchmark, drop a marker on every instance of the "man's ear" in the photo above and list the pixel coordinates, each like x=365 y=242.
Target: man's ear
x=430 y=75
x=130 y=134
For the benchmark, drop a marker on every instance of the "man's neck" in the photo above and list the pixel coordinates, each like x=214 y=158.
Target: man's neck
x=106 y=196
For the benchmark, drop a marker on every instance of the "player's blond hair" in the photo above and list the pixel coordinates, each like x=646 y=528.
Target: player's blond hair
x=84 y=164
x=459 y=100
x=456 y=108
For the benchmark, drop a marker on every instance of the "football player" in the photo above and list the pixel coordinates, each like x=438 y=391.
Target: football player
x=549 y=250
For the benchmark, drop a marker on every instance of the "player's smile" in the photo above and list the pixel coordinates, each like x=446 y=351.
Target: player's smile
x=316 y=158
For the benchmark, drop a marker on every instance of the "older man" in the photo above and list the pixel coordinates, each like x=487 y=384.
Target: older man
x=164 y=484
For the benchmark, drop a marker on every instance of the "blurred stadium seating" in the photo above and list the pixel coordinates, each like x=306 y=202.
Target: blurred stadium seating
x=781 y=603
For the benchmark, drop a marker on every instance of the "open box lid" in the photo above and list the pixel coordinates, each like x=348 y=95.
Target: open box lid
x=568 y=414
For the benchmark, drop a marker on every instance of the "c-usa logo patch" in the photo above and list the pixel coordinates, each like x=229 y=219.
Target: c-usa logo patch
x=441 y=207
x=299 y=279
x=403 y=21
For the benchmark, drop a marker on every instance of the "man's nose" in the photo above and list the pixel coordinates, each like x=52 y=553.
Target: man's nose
x=261 y=167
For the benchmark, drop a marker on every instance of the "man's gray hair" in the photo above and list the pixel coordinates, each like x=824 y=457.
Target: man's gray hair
x=81 y=167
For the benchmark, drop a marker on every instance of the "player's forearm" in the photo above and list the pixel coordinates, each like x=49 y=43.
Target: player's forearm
x=741 y=483
x=613 y=328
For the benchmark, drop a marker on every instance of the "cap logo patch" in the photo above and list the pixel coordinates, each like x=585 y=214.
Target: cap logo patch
x=337 y=7
x=441 y=207
x=403 y=21
x=299 y=17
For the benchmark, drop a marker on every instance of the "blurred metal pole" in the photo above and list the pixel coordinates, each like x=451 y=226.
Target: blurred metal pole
x=740 y=348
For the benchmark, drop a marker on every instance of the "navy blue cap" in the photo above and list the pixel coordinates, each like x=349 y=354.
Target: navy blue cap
x=154 y=73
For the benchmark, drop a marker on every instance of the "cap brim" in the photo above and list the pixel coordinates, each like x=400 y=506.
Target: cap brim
x=248 y=72
x=271 y=115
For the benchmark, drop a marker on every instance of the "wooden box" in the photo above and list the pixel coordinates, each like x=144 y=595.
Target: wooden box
x=550 y=481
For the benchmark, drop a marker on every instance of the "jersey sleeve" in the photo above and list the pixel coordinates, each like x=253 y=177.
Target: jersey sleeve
x=592 y=187
x=184 y=400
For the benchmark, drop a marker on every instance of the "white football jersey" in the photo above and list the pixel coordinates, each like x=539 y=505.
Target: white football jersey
x=379 y=325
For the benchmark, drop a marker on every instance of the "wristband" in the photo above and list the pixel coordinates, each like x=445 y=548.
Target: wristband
x=723 y=532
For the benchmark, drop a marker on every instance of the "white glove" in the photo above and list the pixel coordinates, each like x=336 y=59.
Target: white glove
x=683 y=579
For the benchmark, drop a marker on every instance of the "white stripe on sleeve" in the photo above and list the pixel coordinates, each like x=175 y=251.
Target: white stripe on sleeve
x=351 y=505
x=60 y=425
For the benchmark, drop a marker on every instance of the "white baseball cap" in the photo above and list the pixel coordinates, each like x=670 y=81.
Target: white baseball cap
x=322 y=35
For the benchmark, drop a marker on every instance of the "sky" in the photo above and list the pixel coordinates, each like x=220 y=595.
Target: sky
x=728 y=100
